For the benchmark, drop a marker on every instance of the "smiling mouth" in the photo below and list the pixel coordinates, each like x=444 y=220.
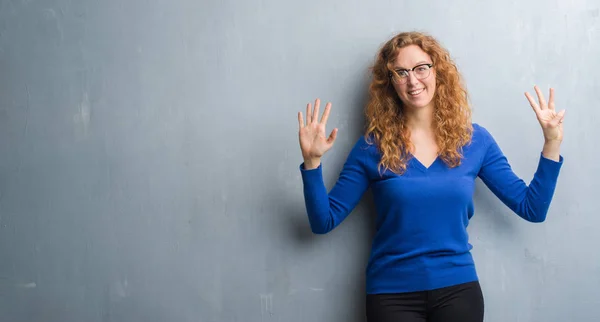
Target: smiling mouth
x=416 y=92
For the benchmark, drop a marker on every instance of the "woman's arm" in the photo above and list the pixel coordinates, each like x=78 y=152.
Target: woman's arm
x=327 y=210
x=532 y=201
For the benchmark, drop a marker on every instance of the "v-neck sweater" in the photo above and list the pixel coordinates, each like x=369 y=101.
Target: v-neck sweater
x=421 y=240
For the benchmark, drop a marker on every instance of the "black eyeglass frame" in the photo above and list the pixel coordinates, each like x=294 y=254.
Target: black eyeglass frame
x=391 y=74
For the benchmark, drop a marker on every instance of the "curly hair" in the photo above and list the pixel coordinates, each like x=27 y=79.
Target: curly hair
x=384 y=110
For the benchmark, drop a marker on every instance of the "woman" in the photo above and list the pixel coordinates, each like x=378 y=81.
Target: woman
x=420 y=156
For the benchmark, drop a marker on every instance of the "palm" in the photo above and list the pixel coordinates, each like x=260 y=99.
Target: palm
x=550 y=120
x=313 y=139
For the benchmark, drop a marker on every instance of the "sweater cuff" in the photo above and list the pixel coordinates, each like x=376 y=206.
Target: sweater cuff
x=303 y=170
x=312 y=176
x=548 y=168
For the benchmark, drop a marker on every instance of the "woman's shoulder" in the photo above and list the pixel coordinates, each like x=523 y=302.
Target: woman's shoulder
x=366 y=143
x=479 y=129
x=364 y=149
x=480 y=132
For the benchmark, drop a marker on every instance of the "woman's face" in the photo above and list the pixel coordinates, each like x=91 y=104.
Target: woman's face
x=414 y=80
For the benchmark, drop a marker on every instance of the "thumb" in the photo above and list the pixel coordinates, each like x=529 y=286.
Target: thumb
x=332 y=136
x=560 y=117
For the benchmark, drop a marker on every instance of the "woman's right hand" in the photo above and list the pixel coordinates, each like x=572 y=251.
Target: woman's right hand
x=313 y=140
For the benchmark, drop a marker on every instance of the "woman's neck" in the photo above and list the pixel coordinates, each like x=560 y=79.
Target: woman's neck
x=419 y=119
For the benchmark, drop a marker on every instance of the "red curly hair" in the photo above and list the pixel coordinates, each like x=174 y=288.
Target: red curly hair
x=385 y=121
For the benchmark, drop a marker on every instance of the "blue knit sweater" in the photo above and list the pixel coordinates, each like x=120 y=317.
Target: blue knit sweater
x=421 y=240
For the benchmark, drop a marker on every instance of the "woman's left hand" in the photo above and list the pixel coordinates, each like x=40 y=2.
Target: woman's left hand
x=551 y=122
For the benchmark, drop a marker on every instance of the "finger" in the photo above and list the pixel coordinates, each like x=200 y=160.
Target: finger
x=551 y=100
x=308 y=113
x=332 y=136
x=532 y=102
x=300 y=120
x=326 y=114
x=561 y=114
x=315 y=116
x=558 y=118
x=541 y=99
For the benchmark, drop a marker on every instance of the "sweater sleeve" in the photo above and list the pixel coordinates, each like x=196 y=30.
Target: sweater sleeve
x=327 y=210
x=530 y=202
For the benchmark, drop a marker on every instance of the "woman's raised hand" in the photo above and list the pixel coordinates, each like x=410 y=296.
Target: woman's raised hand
x=313 y=139
x=550 y=120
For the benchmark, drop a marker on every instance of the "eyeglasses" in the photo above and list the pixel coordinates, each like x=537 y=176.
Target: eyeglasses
x=400 y=76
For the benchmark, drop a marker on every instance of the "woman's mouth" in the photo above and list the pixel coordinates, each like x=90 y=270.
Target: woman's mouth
x=416 y=92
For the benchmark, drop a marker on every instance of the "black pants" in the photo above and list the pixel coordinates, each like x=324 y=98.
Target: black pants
x=463 y=302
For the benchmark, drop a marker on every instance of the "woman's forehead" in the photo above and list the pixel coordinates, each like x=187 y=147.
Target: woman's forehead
x=410 y=56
